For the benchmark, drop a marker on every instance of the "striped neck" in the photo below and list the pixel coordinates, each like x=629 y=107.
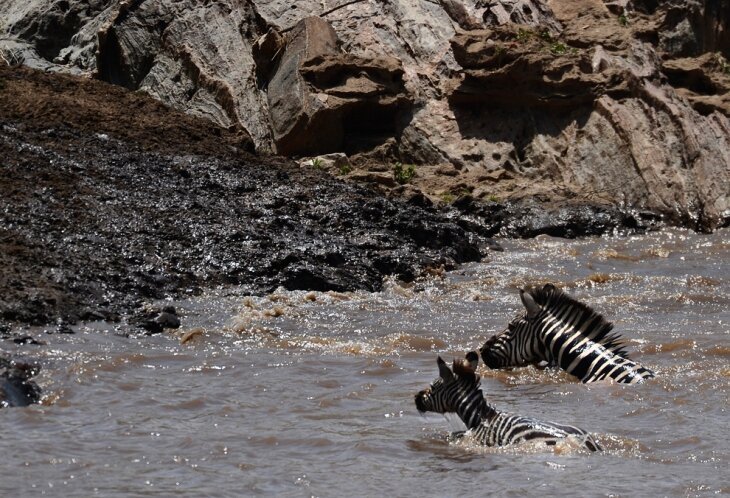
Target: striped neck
x=560 y=339
x=563 y=318
x=473 y=409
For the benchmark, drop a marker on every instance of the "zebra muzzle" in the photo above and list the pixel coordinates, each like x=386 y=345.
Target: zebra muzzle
x=421 y=404
x=485 y=352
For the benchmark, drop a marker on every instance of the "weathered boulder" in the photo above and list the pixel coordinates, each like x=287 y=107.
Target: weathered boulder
x=704 y=81
x=322 y=100
x=53 y=34
x=193 y=56
x=522 y=12
x=687 y=28
x=614 y=115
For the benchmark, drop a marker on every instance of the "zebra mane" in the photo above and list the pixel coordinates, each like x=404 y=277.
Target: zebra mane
x=550 y=297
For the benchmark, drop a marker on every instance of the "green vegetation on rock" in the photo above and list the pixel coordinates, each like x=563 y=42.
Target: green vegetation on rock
x=403 y=173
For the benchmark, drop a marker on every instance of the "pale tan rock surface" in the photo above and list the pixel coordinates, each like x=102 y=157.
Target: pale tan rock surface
x=622 y=102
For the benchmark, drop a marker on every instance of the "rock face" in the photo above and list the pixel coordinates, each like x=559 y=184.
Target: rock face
x=526 y=69
x=704 y=81
x=318 y=97
x=597 y=109
x=601 y=101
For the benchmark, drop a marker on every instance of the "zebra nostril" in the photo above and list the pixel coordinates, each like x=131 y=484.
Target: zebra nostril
x=420 y=401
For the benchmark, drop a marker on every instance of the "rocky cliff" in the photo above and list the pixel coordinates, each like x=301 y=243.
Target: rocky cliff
x=621 y=103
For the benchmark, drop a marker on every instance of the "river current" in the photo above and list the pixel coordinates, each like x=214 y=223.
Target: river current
x=311 y=394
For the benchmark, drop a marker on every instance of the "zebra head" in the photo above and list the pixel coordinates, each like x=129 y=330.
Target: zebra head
x=451 y=387
x=516 y=345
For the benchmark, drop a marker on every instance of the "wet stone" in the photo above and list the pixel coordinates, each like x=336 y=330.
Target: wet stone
x=134 y=220
x=16 y=386
x=28 y=339
x=168 y=320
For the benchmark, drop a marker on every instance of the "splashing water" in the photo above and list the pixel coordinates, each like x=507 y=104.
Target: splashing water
x=301 y=393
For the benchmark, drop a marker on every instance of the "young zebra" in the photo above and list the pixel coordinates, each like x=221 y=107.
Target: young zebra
x=564 y=332
x=458 y=391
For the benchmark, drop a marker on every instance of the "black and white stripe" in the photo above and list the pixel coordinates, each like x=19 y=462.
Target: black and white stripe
x=459 y=391
x=563 y=332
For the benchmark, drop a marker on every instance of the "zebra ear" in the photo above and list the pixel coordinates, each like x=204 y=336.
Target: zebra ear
x=533 y=309
x=444 y=370
x=461 y=367
x=467 y=366
x=547 y=288
x=473 y=359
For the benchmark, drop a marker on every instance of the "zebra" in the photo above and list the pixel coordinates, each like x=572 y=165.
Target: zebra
x=563 y=332
x=458 y=391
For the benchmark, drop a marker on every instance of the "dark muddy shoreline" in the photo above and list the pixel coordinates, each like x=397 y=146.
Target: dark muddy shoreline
x=98 y=217
x=91 y=234
x=110 y=200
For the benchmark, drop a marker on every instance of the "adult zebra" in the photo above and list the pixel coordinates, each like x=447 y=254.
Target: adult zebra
x=562 y=331
x=459 y=391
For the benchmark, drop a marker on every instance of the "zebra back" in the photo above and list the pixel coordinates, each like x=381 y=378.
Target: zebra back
x=580 y=340
x=459 y=391
x=507 y=429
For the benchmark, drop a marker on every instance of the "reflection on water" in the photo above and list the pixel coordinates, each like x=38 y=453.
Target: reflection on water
x=298 y=394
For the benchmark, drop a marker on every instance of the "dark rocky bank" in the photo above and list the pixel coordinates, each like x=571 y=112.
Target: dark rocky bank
x=102 y=212
x=110 y=200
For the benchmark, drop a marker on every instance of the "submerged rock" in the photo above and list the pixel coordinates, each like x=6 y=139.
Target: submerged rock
x=16 y=386
x=155 y=320
x=530 y=218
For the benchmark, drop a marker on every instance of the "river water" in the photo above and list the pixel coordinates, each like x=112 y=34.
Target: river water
x=311 y=394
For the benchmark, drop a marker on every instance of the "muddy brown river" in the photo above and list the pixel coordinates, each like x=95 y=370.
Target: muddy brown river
x=311 y=394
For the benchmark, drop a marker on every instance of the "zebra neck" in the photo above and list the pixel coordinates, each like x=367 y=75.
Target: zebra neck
x=553 y=332
x=474 y=409
x=574 y=350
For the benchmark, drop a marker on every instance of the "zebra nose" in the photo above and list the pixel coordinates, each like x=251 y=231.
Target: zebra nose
x=420 y=401
x=486 y=350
